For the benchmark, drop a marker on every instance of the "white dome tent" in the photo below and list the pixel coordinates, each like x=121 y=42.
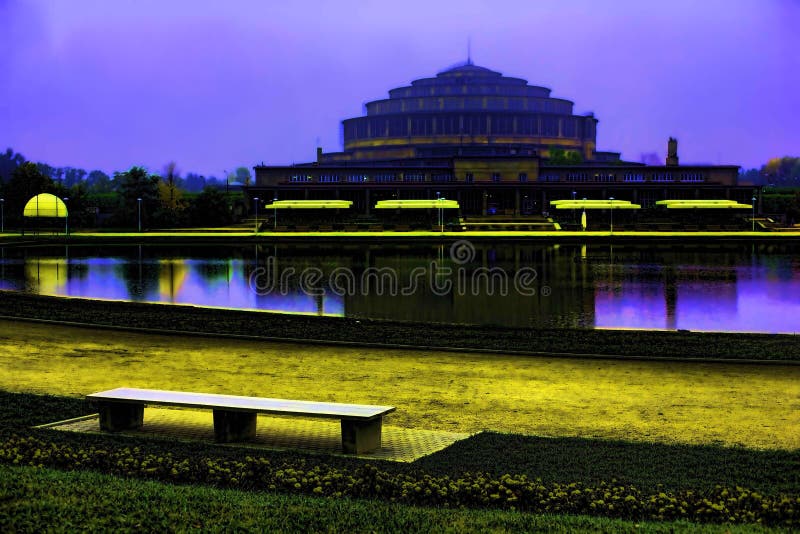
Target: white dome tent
x=46 y=206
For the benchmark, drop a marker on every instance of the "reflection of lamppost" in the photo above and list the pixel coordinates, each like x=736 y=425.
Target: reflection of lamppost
x=573 y=207
x=2 y=215
x=583 y=215
x=256 y=202
x=66 y=219
x=754 y=213
x=612 y=213
x=139 y=204
x=275 y=218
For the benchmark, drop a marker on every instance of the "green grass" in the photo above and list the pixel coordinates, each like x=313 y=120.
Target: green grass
x=645 y=401
x=37 y=500
x=649 y=467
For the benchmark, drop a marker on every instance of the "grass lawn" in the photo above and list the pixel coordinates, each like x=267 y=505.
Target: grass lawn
x=665 y=402
x=37 y=500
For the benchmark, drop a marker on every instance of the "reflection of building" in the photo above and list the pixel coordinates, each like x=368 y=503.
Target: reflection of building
x=489 y=141
x=448 y=292
x=48 y=275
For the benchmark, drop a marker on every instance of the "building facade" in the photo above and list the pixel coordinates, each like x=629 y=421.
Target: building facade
x=496 y=144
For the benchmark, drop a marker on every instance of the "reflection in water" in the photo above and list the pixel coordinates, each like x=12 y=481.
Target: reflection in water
x=731 y=287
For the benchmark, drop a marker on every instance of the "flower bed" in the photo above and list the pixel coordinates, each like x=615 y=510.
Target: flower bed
x=608 y=499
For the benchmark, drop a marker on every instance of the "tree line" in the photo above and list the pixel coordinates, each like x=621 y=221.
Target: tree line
x=777 y=172
x=124 y=199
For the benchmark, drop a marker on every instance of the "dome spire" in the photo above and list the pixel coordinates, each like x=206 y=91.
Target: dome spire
x=469 y=50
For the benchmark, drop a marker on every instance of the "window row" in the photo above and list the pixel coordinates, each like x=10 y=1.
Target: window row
x=497 y=177
x=472 y=89
x=468 y=103
x=527 y=125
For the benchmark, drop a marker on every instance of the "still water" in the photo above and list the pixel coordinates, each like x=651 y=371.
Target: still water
x=726 y=287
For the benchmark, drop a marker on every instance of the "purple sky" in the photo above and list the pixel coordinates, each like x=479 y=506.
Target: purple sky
x=216 y=85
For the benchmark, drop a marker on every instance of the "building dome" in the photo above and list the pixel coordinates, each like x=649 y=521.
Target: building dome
x=45 y=205
x=466 y=110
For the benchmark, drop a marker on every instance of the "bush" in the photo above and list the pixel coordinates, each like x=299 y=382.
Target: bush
x=608 y=499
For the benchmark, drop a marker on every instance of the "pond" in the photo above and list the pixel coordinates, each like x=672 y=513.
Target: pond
x=705 y=286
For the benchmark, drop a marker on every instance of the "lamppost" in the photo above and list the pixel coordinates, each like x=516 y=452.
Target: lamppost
x=255 y=199
x=275 y=218
x=66 y=219
x=439 y=209
x=2 y=215
x=441 y=214
x=139 y=205
x=754 y=213
x=612 y=213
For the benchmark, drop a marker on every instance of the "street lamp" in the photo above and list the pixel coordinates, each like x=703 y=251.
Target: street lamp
x=441 y=214
x=66 y=219
x=275 y=218
x=754 y=213
x=256 y=201
x=2 y=215
x=612 y=213
x=139 y=205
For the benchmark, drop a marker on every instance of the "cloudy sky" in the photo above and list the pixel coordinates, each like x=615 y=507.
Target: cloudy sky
x=216 y=85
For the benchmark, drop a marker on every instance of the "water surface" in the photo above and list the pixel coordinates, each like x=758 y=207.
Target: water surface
x=731 y=287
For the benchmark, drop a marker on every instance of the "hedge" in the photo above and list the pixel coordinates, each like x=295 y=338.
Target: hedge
x=608 y=499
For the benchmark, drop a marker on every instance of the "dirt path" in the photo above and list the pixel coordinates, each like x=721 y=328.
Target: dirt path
x=751 y=405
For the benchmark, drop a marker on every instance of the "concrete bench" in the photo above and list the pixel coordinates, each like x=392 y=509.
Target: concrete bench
x=235 y=416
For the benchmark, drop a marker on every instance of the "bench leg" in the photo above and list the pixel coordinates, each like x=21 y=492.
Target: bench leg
x=117 y=416
x=361 y=436
x=234 y=426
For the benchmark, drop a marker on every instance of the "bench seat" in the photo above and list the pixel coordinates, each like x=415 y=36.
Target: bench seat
x=235 y=416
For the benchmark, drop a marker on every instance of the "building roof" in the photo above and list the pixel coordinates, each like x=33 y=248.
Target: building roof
x=468 y=69
x=45 y=205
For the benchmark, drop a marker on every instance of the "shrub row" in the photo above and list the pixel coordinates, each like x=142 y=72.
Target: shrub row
x=655 y=344
x=609 y=499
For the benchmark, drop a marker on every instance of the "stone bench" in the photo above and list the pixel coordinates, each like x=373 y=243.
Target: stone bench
x=235 y=416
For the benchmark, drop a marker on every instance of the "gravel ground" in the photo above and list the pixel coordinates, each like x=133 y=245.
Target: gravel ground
x=210 y=321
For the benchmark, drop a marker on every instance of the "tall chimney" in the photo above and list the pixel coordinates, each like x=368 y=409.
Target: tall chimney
x=672 y=152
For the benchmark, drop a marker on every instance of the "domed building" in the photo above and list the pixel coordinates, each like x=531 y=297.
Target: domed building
x=494 y=143
x=468 y=110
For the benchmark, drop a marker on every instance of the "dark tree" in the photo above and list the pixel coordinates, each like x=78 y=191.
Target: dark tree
x=73 y=176
x=99 y=182
x=782 y=171
x=136 y=183
x=210 y=208
x=194 y=183
x=8 y=162
x=26 y=182
x=77 y=200
x=559 y=156
x=243 y=175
